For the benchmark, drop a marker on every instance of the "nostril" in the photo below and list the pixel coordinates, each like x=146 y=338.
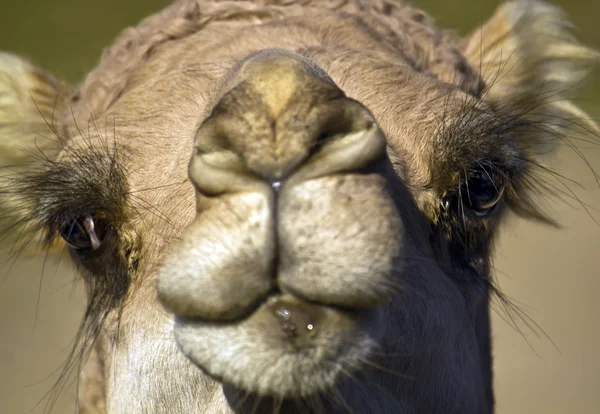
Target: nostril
x=350 y=141
x=321 y=140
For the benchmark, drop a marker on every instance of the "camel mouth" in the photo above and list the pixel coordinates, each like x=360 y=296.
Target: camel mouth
x=286 y=348
x=282 y=296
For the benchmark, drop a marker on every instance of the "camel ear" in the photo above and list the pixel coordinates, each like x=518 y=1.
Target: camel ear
x=32 y=106
x=530 y=63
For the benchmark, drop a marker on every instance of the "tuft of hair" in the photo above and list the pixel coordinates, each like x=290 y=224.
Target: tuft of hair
x=531 y=62
x=31 y=105
x=29 y=101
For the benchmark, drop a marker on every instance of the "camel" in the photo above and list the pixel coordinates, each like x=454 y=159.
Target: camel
x=289 y=206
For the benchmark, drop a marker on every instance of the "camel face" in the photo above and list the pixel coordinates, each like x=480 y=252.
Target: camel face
x=289 y=207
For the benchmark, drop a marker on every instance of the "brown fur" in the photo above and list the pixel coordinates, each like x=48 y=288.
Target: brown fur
x=320 y=253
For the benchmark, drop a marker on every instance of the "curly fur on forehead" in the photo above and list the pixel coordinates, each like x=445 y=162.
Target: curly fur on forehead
x=401 y=28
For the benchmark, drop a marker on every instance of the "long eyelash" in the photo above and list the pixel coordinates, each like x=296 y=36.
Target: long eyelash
x=530 y=133
x=92 y=163
x=534 y=180
x=39 y=200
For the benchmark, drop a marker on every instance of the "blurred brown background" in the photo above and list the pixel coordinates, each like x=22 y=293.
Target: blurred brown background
x=552 y=274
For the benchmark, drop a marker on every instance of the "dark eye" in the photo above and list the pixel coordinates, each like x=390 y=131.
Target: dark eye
x=84 y=232
x=480 y=192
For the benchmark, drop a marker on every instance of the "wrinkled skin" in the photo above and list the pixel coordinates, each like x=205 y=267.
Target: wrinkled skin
x=292 y=207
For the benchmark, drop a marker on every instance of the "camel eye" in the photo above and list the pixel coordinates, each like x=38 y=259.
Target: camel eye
x=481 y=192
x=84 y=232
x=478 y=194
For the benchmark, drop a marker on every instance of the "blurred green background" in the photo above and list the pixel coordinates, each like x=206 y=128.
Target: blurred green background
x=553 y=274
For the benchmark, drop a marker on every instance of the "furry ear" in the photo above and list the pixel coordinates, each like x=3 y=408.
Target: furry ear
x=32 y=106
x=530 y=62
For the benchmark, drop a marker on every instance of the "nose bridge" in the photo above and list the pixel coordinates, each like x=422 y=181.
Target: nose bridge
x=277 y=110
x=277 y=74
x=280 y=96
x=277 y=80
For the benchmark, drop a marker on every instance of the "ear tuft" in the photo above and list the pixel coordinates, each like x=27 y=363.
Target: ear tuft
x=32 y=106
x=31 y=101
x=530 y=63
